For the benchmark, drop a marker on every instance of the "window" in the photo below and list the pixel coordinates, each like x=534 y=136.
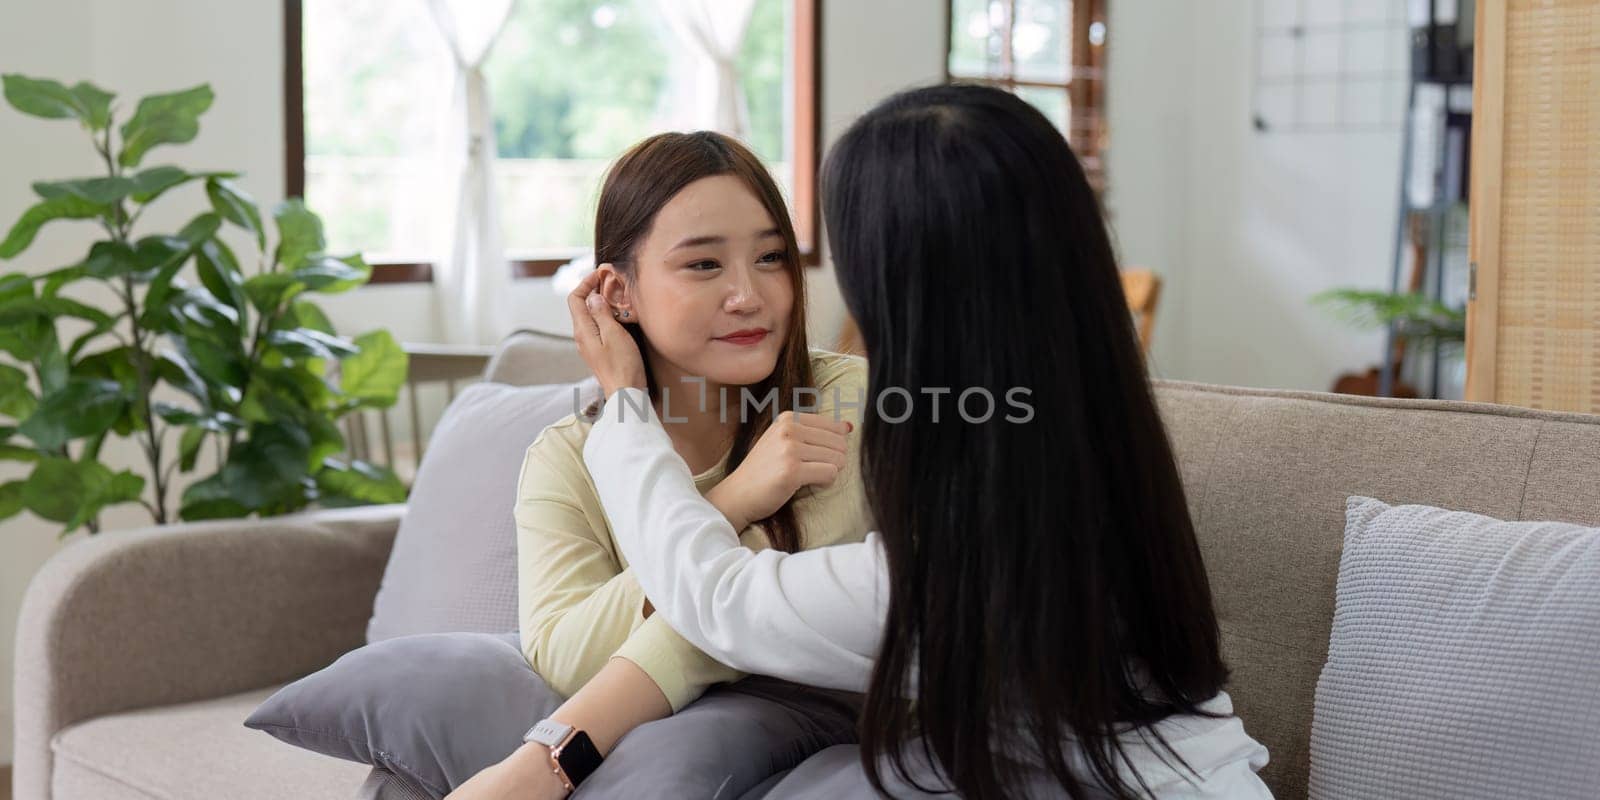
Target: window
x=1049 y=52
x=572 y=84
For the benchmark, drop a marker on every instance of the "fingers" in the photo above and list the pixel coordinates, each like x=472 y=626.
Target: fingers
x=813 y=473
x=819 y=454
x=816 y=430
x=822 y=422
x=584 y=328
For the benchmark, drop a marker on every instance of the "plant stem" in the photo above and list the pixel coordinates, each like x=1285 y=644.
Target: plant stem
x=146 y=385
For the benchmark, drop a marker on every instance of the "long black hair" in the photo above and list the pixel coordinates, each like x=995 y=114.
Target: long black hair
x=1046 y=586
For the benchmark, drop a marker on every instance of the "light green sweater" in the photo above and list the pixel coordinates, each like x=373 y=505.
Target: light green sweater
x=579 y=604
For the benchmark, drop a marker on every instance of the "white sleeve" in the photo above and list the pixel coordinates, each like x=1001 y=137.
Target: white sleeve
x=814 y=617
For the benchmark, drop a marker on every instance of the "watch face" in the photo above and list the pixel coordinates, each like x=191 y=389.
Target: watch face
x=579 y=759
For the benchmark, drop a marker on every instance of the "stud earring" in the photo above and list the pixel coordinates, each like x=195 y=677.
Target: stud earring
x=625 y=314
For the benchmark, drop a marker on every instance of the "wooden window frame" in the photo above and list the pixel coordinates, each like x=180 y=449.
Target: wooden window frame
x=806 y=108
x=1085 y=84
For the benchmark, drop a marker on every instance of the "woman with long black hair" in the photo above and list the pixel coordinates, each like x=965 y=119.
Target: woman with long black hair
x=1032 y=617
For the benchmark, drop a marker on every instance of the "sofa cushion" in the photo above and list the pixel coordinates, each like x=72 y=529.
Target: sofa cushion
x=198 y=751
x=1464 y=659
x=435 y=709
x=454 y=563
x=432 y=708
x=1267 y=473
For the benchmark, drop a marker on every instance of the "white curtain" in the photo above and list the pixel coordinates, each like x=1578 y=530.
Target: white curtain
x=471 y=276
x=707 y=93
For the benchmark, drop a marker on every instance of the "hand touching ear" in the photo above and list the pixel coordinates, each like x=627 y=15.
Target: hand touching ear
x=605 y=345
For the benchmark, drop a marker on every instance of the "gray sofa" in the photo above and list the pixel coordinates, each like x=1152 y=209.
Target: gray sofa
x=140 y=653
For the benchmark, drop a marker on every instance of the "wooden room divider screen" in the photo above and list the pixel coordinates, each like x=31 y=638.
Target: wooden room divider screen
x=1533 y=320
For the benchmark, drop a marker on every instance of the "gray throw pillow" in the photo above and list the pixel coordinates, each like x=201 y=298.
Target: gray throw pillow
x=433 y=709
x=1464 y=660
x=454 y=562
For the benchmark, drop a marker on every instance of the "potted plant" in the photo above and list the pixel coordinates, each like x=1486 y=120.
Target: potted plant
x=1416 y=319
x=262 y=375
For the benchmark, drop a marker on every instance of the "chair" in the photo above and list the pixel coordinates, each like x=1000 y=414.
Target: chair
x=1142 y=288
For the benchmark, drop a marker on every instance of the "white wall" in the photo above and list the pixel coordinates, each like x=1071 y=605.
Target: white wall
x=1245 y=227
x=870 y=50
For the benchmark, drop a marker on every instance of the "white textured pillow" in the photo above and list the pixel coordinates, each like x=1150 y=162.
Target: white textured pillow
x=1464 y=661
x=454 y=563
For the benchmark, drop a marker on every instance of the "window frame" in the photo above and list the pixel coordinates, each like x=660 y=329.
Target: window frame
x=806 y=105
x=1085 y=83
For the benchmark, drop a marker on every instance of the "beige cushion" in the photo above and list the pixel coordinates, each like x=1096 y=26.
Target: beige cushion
x=1268 y=473
x=195 y=750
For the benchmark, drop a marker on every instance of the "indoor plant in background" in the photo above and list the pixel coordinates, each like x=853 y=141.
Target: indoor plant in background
x=253 y=358
x=1416 y=319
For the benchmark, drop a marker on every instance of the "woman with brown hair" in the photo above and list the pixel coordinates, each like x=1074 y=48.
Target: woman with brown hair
x=698 y=261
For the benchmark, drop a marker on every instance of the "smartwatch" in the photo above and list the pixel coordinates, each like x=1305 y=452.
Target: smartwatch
x=573 y=757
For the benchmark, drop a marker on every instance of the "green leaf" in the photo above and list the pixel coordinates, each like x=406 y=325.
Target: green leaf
x=189 y=448
x=53 y=367
x=109 y=260
x=126 y=486
x=100 y=191
x=360 y=482
x=306 y=314
x=326 y=439
x=97 y=330
x=306 y=343
x=210 y=499
x=269 y=290
x=330 y=275
x=59 y=487
x=373 y=377
x=16 y=399
x=57 y=278
x=200 y=229
x=115 y=364
x=11 y=502
x=236 y=207
x=11 y=452
x=219 y=273
x=175 y=369
x=14 y=286
x=299 y=233
x=222 y=370
x=28 y=341
x=163 y=119
x=148 y=184
x=203 y=314
x=292 y=392
x=84 y=407
x=19 y=311
x=219 y=422
x=66 y=206
x=154 y=254
x=263 y=471
x=49 y=99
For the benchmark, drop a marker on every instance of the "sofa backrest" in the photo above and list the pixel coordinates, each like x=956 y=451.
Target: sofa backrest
x=1267 y=474
x=530 y=358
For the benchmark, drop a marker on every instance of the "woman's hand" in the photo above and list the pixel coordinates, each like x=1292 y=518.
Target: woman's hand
x=524 y=775
x=797 y=450
x=605 y=345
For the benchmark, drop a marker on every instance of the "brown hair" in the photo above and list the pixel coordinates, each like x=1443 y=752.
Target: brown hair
x=638 y=185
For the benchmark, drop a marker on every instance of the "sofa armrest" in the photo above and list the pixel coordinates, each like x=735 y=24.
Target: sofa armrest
x=163 y=615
